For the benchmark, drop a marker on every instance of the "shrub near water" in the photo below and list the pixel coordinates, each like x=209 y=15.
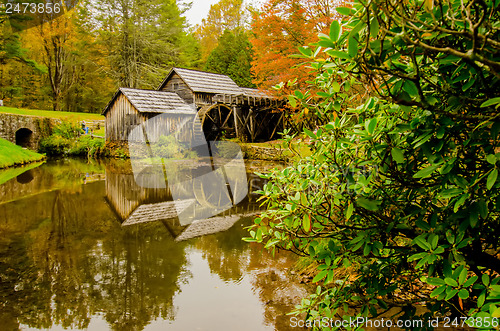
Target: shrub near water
x=402 y=187
x=67 y=130
x=54 y=145
x=87 y=145
x=66 y=140
x=170 y=148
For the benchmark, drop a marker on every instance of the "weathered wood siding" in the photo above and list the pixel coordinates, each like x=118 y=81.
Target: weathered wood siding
x=178 y=125
x=121 y=119
x=203 y=98
x=181 y=89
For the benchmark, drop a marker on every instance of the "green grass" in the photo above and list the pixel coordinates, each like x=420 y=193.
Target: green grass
x=11 y=155
x=53 y=114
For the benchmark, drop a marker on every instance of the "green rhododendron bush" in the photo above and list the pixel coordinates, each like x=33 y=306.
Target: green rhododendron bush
x=401 y=191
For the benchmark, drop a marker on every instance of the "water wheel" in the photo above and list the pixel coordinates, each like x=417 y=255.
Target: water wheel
x=215 y=121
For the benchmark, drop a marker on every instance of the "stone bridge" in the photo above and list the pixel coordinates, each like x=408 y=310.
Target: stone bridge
x=24 y=130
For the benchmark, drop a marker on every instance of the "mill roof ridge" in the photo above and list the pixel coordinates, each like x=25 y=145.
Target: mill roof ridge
x=153 y=101
x=205 y=82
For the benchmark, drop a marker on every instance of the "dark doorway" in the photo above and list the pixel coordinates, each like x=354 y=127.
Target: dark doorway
x=23 y=137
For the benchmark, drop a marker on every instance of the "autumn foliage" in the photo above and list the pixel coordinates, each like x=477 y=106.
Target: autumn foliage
x=225 y=15
x=279 y=28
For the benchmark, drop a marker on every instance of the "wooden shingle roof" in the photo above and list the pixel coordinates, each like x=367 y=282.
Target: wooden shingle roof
x=256 y=93
x=205 y=82
x=151 y=101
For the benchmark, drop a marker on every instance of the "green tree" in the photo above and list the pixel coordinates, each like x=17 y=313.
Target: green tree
x=142 y=39
x=232 y=57
x=190 y=52
x=54 y=42
x=222 y=16
x=13 y=57
x=402 y=186
x=10 y=46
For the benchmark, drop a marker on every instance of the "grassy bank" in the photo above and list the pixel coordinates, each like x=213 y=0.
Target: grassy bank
x=12 y=155
x=53 y=114
x=75 y=118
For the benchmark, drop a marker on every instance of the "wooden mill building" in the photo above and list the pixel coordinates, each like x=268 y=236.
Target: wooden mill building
x=224 y=108
x=132 y=107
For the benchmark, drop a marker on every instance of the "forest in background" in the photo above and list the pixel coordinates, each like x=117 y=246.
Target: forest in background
x=77 y=61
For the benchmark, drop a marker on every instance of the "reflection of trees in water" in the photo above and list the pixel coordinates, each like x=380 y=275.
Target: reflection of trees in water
x=61 y=174
x=56 y=247
x=77 y=261
x=140 y=271
x=231 y=258
x=64 y=257
x=226 y=254
x=22 y=294
x=278 y=290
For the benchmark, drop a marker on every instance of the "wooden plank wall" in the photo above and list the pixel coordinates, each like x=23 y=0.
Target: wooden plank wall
x=180 y=125
x=182 y=89
x=125 y=195
x=203 y=99
x=122 y=194
x=121 y=119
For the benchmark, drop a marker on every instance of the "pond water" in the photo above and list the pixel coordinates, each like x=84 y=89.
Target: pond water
x=68 y=259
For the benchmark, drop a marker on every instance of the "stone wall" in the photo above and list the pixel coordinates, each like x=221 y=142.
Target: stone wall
x=26 y=131
x=272 y=153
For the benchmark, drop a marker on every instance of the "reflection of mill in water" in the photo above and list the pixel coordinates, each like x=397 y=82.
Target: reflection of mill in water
x=134 y=204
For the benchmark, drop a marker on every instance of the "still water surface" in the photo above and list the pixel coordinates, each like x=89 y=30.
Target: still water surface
x=67 y=262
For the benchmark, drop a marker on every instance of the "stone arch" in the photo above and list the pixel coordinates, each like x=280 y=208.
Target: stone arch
x=24 y=137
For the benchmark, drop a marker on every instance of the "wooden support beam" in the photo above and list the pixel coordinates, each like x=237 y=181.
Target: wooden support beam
x=277 y=125
x=228 y=116
x=262 y=125
x=236 y=122
x=247 y=118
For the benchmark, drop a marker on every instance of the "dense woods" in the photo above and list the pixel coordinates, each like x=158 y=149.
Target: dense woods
x=75 y=62
x=78 y=60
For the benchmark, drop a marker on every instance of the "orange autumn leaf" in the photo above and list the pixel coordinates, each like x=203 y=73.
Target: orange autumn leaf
x=279 y=28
